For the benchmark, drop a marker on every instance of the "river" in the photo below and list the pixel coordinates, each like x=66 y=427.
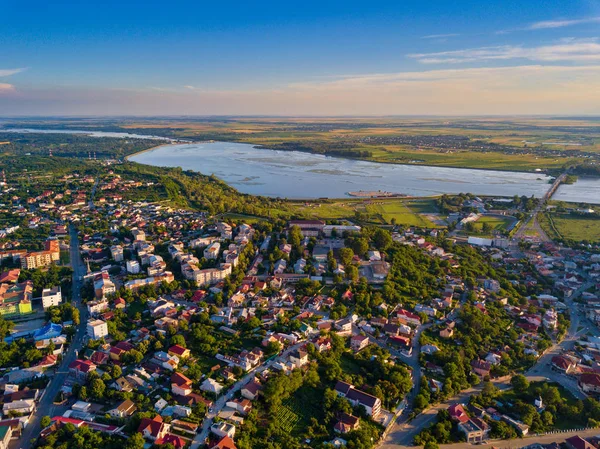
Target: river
x=294 y=174
x=585 y=190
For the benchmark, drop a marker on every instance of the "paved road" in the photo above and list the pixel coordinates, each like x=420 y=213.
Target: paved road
x=532 y=220
x=201 y=437
x=46 y=406
x=403 y=433
x=520 y=442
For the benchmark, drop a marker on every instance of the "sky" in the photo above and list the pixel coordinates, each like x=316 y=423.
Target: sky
x=436 y=57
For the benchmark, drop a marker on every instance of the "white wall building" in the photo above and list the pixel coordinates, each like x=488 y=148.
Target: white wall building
x=97 y=329
x=133 y=266
x=51 y=297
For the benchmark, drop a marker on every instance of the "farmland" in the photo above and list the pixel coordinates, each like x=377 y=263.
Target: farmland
x=383 y=211
x=571 y=227
x=295 y=413
x=519 y=144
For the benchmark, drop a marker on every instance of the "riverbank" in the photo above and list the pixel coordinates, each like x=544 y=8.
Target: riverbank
x=296 y=175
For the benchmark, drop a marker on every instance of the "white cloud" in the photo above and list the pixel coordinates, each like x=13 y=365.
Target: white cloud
x=546 y=24
x=440 y=36
x=8 y=72
x=532 y=89
x=573 y=50
x=6 y=88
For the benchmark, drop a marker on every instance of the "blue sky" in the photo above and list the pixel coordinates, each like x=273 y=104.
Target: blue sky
x=310 y=58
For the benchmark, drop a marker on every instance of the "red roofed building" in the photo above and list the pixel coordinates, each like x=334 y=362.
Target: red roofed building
x=81 y=368
x=179 y=351
x=180 y=384
x=576 y=442
x=224 y=443
x=481 y=367
x=153 y=429
x=590 y=382
x=406 y=317
x=10 y=276
x=457 y=413
x=176 y=441
x=561 y=363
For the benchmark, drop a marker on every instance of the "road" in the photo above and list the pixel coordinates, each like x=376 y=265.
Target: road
x=201 y=437
x=520 y=442
x=46 y=406
x=532 y=220
x=403 y=433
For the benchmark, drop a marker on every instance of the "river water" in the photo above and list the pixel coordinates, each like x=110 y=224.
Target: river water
x=293 y=174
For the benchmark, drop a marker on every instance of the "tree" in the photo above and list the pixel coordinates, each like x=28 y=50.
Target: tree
x=519 y=383
x=382 y=239
x=273 y=347
x=346 y=255
x=421 y=402
x=135 y=441
x=360 y=246
x=45 y=421
x=431 y=445
x=97 y=388
x=178 y=340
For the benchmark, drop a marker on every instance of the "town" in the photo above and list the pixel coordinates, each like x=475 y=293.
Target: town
x=136 y=321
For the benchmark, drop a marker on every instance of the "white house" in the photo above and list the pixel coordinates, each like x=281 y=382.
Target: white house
x=97 y=329
x=211 y=386
x=133 y=266
x=51 y=297
x=212 y=251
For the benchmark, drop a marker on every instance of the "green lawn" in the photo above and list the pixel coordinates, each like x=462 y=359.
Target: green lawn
x=296 y=412
x=497 y=223
x=571 y=227
x=399 y=212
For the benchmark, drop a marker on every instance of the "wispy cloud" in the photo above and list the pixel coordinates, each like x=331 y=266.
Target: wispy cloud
x=573 y=50
x=9 y=72
x=546 y=24
x=6 y=88
x=551 y=24
x=440 y=36
x=526 y=89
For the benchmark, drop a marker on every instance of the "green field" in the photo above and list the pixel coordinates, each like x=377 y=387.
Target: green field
x=295 y=412
x=497 y=223
x=571 y=227
x=397 y=212
x=471 y=159
x=384 y=211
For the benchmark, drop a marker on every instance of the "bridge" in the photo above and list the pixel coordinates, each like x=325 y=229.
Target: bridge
x=531 y=222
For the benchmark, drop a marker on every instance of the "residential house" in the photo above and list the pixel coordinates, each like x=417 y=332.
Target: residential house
x=180 y=384
x=371 y=403
x=358 y=342
x=81 y=368
x=97 y=329
x=211 y=386
x=124 y=410
x=51 y=297
x=153 y=429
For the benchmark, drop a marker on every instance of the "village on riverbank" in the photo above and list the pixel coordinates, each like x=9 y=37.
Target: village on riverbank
x=130 y=318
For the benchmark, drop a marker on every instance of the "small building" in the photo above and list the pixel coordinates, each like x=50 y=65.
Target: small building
x=51 y=297
x=358 y=342
x=124 y=410
x=133 y=266
x=97 y=329
x=211 y=386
